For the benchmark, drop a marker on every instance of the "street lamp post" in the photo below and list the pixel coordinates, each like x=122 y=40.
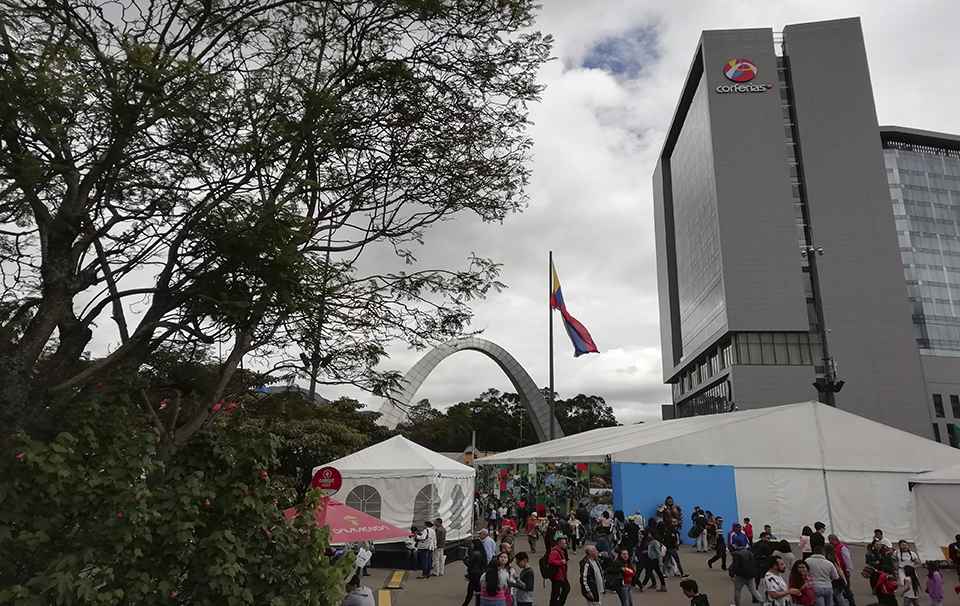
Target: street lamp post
x=828 y=385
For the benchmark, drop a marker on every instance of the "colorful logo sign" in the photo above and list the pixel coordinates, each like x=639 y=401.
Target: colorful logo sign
x=740 y=70
x=327 y=480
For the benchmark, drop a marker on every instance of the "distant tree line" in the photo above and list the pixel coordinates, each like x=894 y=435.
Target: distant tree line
x=500 y=420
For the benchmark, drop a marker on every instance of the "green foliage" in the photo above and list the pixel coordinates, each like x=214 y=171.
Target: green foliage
x=307 y=434
x=94 y=516
x=500 y=420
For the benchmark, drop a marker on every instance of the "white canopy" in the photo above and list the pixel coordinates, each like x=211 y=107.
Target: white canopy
x=399 y=458
x=936 y=510
x=807 y=435
x=403 y=483
x=795 y=463
x=947 y=475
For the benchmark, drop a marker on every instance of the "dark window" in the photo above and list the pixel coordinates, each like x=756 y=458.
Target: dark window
x=953 y=434
x=938 y=405
x=936 y=432
x=955 y=405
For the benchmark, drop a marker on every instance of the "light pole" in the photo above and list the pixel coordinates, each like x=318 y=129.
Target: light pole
x=828 y=385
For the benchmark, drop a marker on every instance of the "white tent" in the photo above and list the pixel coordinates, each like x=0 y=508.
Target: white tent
x=936 y=510
x=794 y=464
x=404 y=484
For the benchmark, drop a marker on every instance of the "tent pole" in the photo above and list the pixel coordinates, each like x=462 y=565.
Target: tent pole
x=823 y=468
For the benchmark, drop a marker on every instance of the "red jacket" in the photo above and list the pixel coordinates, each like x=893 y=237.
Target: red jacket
x=748 y=530
x=558 y=558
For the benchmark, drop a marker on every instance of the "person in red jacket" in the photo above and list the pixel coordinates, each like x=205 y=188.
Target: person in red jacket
x=559 y=585
x=748 y=529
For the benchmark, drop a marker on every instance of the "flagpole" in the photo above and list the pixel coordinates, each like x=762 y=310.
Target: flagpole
x=550 y=310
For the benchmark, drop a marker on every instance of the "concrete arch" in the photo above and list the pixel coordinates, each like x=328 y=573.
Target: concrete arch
x=533 y=400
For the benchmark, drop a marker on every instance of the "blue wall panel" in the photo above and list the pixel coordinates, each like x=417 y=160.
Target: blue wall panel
x=641 y=487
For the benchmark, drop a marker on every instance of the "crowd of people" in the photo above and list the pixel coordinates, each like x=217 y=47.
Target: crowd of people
x=623 y=555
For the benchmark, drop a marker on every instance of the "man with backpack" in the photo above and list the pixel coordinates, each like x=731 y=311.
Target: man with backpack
x=553 y=566
x=743 y=571
x=883 y=584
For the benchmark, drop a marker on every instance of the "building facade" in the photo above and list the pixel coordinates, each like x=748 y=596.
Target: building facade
x=776 y=267
x=923 y=172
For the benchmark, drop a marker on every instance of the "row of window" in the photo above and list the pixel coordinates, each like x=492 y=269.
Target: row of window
x=711 y=401
x=751 y=349
x=940 y=411
x=953 y=436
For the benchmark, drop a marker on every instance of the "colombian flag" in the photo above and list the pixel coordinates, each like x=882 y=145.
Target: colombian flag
x=582 y=341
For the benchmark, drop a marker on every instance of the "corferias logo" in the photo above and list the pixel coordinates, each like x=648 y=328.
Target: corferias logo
x=739 y=70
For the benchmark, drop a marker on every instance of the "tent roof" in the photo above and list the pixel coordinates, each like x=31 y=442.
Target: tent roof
x=947 y=475
x=806 y=435
x=398 y=457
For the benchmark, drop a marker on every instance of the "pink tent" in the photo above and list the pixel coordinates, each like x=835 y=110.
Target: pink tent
x=348 y=525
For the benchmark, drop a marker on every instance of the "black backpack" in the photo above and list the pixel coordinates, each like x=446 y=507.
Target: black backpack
x=547 y=570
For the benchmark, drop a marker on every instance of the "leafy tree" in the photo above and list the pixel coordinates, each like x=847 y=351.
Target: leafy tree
x=500 y=420
x=223 y=168
x=306 y=434
x=94 y=516
x=582 y=413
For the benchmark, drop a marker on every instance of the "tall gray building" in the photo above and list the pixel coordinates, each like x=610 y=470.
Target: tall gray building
x=923 y=171
x=774 y=233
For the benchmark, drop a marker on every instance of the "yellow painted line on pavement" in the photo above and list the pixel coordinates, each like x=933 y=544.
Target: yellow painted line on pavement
x=383 y=598
x=396 y=579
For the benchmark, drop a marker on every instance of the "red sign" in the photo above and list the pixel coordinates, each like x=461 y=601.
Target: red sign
x=327 y=480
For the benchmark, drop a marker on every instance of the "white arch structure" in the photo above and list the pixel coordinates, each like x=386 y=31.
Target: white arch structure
x=533 y=400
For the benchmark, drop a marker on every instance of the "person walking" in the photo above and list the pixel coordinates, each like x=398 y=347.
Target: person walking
x=737 y=539
x=533 y=531
x=653 y=571
x=699 y=530
x=489 y=545
x=425 y=540
x=934 y=584
x=622 y=574
x=591 y=577
x=439 y=557
x=905 y=557
x=672 y=543
x=525 y=582
x=802 y=592
x=883 y=584
x=574 y=531
x=743 y=571
x=476 y=564
x=774 y=587
x=748 y=530
x=823 y=573
x=495 y=583
x=557 y=560
x=719 y=546
x=844 y=563
x=692 y=591
x=911 y=587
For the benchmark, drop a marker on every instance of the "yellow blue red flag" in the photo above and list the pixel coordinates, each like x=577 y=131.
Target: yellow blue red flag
x=582 y=341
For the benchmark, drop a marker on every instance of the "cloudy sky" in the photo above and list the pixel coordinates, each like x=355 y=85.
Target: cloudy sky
x=610 y=94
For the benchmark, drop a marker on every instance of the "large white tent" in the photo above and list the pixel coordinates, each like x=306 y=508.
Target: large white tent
x=794 y=464
x=936 y=510
x=404 y=484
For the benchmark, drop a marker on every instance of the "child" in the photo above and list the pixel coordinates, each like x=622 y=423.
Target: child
x=911 y=587
x=934 y=584
x=692 y=591
x=524 y=581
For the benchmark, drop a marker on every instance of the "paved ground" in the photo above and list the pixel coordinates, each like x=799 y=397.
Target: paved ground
x=450 y=589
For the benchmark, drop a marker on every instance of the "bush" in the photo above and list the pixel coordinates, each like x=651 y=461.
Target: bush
x=94 y=515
